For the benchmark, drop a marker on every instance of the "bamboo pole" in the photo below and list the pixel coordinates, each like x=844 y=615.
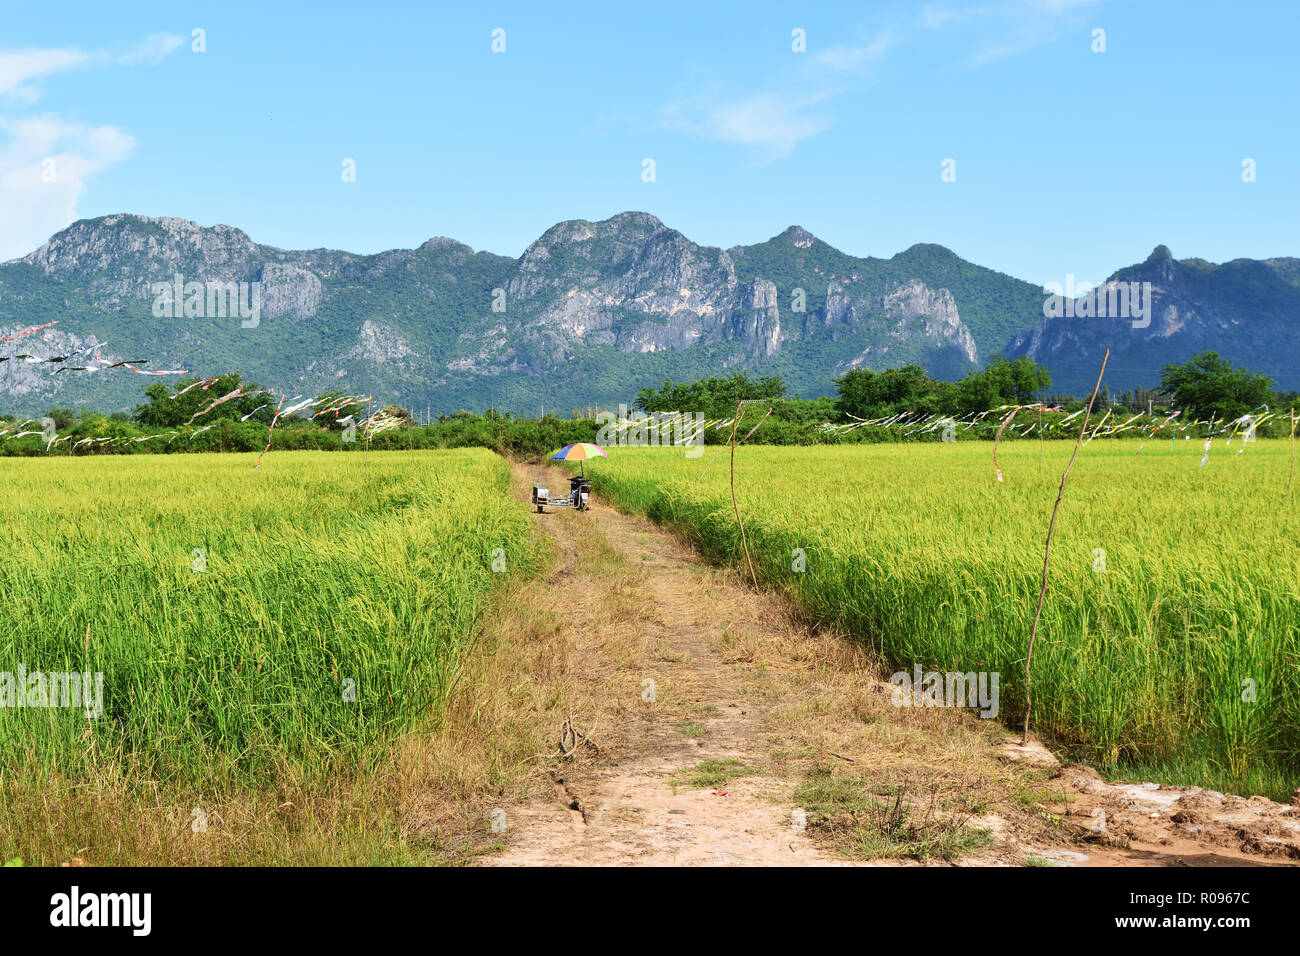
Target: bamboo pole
x=1047 y=550
x=1291 y=482
x=1040 y=439
x=998 y=440
x=735 y=423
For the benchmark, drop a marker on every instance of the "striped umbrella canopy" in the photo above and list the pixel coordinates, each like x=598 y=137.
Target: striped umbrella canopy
x=579 y=451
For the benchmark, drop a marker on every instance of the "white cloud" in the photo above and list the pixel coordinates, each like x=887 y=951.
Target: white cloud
x=155 y=47
x=933 y=17
x=773 y=122
x=19 y=66
x=46 y=161
x=1007 y=28
x=854 y=59
x=776 y=122
x=44 y=164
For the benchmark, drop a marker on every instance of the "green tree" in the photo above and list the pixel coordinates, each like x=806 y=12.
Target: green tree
x=1003 y=382
x=868 y=394
x=712 y=397
x=357 y=410
x=1210 y=385
x=64 y=418
x=163 y=411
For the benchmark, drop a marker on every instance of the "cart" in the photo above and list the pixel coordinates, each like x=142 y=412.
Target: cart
x=577 y=498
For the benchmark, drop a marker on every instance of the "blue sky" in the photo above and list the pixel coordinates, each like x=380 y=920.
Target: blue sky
x=1067 y=160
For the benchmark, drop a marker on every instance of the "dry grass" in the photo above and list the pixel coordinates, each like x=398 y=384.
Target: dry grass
x=711 y=643
x=428 y=802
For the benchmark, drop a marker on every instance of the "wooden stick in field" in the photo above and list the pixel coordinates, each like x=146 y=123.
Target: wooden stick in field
x=1040 y=438
x=1291 y=480
x=998 y=440
x=1047 y=551
x=735 y=422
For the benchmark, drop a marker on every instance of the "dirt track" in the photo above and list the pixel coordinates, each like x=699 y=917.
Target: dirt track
x=739 y=681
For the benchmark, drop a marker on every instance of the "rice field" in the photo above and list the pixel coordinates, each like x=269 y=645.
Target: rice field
x=243 y=621
x=1169 y=646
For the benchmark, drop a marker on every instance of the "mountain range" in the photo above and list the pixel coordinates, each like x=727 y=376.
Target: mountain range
x=590 y=313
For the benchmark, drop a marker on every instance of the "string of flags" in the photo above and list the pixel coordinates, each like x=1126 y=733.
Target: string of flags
x=97 y=364
x=18 y=335
x=919 y=424
x=995 y=419
x=308 y=409
x=690 y=425
x=269 y=433
x=299 y=407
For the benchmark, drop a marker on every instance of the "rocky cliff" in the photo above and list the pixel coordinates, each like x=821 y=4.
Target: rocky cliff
x=590 y=313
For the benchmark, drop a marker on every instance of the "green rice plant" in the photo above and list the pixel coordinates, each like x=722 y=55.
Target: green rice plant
x=1170 y=638
x=244 y=621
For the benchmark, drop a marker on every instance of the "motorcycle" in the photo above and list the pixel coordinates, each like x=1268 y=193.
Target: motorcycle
x=578 y=497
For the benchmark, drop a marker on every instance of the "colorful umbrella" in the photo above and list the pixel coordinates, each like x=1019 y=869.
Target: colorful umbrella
x=579 y=451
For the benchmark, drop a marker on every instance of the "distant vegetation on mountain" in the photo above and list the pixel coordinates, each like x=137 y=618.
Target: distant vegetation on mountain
x=591 y=314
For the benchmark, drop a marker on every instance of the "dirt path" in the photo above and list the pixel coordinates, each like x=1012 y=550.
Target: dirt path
x=720 y=723
x=665 y=660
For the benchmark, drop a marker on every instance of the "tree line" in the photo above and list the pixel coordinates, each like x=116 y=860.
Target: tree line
x=1206 y=386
